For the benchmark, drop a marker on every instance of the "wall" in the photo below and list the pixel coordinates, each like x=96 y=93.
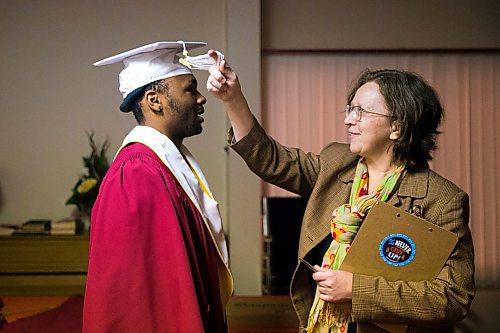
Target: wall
x=50 y=94
x=244 y=210
x=387 y=24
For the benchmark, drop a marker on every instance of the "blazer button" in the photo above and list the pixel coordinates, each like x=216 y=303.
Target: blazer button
x=416 y=210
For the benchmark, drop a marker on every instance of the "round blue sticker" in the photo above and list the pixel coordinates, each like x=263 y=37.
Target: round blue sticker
x=397 y=249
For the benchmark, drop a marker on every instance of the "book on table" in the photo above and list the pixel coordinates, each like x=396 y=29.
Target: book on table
x=35 y=227
x=69 y=226
x=64 y=227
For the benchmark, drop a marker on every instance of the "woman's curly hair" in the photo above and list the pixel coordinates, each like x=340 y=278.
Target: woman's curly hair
x=415 y=105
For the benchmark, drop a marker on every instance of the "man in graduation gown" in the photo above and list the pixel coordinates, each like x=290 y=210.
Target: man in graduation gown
x=158 y=259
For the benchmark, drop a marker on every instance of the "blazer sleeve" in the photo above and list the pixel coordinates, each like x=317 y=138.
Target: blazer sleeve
x=288 y=168
x=440 y=302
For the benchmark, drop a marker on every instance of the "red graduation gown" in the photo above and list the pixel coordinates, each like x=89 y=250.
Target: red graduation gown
x=152 y=262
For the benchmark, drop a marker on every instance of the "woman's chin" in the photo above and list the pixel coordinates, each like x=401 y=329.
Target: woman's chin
x=354 y=148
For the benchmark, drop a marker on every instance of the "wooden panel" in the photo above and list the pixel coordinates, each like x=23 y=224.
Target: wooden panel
x=260 y=313
x=43 y=254
x=43 y=265
x=34 y=284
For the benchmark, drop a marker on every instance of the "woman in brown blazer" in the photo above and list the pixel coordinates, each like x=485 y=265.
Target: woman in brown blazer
x=392 y=118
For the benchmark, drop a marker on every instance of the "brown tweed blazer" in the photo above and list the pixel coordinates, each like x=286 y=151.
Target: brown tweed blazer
x=426 y=306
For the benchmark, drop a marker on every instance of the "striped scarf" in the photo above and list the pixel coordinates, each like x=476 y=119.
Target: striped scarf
x=345 y=223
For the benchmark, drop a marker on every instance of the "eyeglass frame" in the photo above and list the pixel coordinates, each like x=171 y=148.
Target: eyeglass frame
x=358 y=112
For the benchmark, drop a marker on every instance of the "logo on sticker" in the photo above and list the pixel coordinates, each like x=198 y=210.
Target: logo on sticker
x=397 y=249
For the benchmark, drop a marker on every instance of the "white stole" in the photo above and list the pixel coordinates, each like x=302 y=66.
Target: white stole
x=173 y=159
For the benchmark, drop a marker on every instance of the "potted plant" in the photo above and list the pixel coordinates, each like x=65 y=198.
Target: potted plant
x=84 y=193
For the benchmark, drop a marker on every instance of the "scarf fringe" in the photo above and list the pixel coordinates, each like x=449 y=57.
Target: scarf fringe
x=332 y=315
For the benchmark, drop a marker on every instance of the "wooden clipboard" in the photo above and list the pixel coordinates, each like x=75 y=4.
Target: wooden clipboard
x=396 y=245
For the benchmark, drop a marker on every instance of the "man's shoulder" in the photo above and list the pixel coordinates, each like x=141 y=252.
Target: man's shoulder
x=137 y=158
x=139 y=165
x=135 y=148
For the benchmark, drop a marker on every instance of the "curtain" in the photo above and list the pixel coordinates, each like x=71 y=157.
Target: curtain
x=304 y=95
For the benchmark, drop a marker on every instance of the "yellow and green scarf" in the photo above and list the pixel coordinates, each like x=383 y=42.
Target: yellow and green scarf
x=345 y=223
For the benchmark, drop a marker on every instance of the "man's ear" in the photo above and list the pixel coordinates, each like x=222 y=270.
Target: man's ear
x=152 y=100
x=395 y=130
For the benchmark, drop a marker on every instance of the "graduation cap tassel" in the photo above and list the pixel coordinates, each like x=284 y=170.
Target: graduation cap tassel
x=203 y=61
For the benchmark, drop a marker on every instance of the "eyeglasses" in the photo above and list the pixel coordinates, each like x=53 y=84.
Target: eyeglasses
x=359 y=111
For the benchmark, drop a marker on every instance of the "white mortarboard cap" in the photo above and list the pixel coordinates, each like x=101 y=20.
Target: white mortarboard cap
x=150 y=63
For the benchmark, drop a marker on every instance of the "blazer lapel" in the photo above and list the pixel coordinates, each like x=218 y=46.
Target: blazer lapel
x=316 y=223
x=413 y=186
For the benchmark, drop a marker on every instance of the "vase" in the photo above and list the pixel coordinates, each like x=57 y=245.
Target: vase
x=83 y=215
